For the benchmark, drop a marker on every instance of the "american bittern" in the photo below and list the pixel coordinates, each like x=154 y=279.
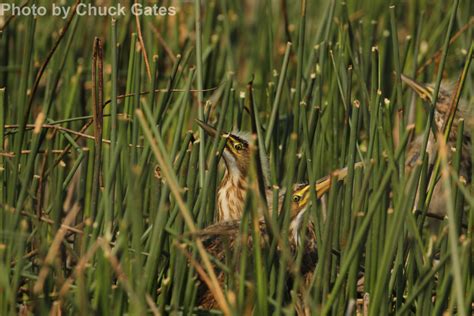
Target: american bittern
x=225 y=234
x=437 y=205
x=233 y=187
x=232 y=190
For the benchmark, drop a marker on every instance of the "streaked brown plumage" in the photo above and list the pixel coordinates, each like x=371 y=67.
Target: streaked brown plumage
x=425 y=92
x=222 y=237
x=232 y=190
x=233 y=187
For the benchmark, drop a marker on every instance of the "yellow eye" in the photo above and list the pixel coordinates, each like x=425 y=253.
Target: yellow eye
x=296 y=198
x=238 y=146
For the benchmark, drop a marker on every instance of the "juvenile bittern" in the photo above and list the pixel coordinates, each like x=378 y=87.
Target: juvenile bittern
x=441 y=113
x=223 y=236
x=233 y=187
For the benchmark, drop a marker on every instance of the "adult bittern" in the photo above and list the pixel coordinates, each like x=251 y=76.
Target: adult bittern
x=441 y=113
x=233 y=187
x=443 y=105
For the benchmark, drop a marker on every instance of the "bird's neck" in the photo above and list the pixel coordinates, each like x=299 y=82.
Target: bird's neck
x=295 y=227
x=231 y=196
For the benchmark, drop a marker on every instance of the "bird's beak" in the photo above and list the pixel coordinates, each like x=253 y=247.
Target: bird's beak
x=211 y=131
x=424 y=92
x=322 y=186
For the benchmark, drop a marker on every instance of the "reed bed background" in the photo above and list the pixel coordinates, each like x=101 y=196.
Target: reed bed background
x=102 y=179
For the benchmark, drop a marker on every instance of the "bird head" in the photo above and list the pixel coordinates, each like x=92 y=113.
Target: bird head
x=426 y=91
x=300 y=199
x=301 y=195
x=236 y=151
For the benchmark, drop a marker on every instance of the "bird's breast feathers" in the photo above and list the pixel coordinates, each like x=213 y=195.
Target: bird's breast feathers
x=231 y=199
